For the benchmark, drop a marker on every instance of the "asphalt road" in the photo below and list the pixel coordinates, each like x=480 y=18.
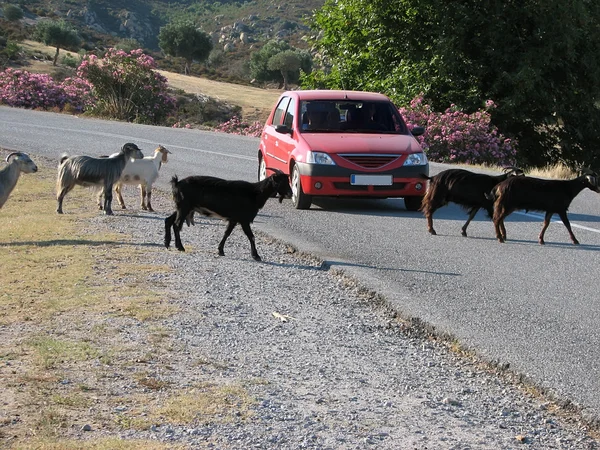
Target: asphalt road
x=533 y=307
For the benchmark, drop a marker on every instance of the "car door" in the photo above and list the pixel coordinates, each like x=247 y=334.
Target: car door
x=282 y=143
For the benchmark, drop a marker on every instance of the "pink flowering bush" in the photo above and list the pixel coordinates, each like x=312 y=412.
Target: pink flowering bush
x=23 y=89
x=236 y=126
x=127 y=87
x=456 y=137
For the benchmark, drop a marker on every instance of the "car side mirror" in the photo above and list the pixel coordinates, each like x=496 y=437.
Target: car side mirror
x=417 y=131
x=284 y=129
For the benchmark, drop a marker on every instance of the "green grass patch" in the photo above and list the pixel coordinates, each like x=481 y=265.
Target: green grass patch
x=50 y=352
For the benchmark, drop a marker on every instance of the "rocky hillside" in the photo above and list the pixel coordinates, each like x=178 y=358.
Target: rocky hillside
x=233 y=24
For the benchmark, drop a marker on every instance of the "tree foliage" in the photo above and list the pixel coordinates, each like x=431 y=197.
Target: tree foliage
x=57 y=34
x=183 y=39
x=274 y=62
x=536 y=60
x=12 y=13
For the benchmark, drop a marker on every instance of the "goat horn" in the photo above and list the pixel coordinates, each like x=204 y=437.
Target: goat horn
x=12 y=154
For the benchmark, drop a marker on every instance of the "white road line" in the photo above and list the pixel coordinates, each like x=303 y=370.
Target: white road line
x=573 y=225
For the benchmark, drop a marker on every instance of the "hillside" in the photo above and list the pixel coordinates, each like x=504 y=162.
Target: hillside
x=237 y=28
x=256 y=103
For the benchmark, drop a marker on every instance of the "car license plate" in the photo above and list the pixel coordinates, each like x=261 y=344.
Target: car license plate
x=371 y=180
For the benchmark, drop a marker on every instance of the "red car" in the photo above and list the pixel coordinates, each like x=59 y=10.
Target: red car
x=343 y=144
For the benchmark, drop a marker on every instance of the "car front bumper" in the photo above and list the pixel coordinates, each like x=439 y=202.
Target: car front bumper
x=334 y=181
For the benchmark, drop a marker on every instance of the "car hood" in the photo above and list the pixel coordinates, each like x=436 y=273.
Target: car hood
x=362 y=142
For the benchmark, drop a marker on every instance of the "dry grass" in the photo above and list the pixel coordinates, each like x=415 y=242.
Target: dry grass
x=67 y=302
x=557 y=171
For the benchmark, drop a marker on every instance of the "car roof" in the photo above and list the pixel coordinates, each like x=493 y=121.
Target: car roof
x=324 y=94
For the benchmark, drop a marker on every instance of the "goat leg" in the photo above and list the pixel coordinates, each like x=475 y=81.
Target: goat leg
x=177 y=231
x=149 y=197
x=59 y=199
x=498 y=225
x=108 y=200
x=565 y=221
x=118 y=189
x=472 y=213
x=545 y=225
x=248 y=231
x=169 y=221
x=143 y=197
x=230 y=226
x=429 y=216
x=503 y=229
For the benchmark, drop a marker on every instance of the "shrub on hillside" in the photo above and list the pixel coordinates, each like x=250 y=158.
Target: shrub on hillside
x=127 y=87
x=456 y=137
x=237 y=126
x=39 y=91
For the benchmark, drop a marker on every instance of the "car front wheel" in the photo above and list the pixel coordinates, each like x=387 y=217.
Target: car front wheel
x=299 y=198
x=413 y=203
x=262 y=168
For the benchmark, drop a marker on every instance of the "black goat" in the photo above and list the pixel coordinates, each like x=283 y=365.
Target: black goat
x=232 y=200
x=467 y=189
x=535 y=194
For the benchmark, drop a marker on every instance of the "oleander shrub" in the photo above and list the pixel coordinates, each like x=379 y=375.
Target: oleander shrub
x=457 y=137
x=237 y=126
x=127 y=87
x=23 y=89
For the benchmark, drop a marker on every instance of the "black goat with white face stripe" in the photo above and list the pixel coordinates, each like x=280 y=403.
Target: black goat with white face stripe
x=233 y=200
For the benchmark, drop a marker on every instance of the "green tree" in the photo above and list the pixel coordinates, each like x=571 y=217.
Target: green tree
x=536 y=60
x=58 y=34
x=265 y=68
x=183 y=39
x=285 y=62
x=12 y=13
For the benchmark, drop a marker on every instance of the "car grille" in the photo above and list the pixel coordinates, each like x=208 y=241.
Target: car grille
x=370 y=161
x=350 y=187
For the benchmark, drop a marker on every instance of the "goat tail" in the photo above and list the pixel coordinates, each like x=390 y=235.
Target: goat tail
x=425 y=177
x=62 y=159
x=175 y=189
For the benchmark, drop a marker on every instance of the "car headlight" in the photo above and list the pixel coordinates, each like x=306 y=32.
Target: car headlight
x=319 y=158
x=416 y=159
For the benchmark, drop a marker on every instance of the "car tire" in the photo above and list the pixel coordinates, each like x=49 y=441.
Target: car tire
x=262 y=168
x=413 y=203
x=299 y=199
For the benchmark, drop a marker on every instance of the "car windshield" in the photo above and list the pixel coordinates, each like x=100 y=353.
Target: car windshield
x=344 y=116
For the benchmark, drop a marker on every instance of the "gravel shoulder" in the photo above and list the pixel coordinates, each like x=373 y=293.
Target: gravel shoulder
x=341 y=372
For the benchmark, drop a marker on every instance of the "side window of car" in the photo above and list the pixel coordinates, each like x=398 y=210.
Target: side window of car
x=280 y=111
x=289 y=114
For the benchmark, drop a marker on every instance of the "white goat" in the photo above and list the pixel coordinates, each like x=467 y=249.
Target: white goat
x=143 y=172
x=17 y=162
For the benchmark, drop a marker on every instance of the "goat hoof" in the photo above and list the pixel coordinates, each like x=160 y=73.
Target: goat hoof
x=575 y=242
x=432 y=232
x=464 y=233
x=256 y=258
x=181 y=249
x=221 y=253
x=541 y=242
x=150 y=209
